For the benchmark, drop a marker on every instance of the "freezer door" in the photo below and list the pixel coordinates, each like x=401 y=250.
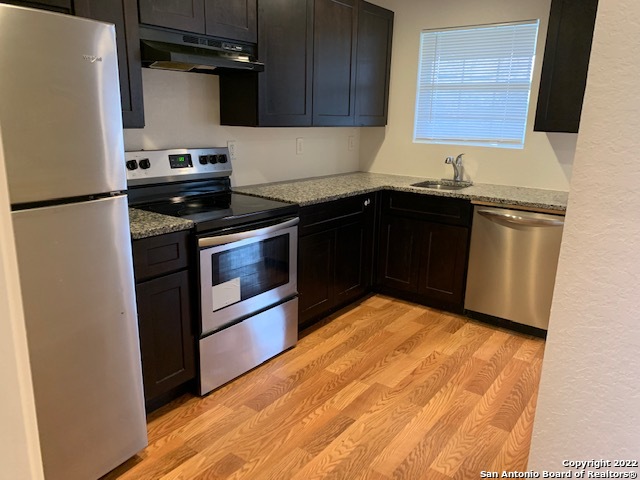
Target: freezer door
x=59 y=106
x=78 y=293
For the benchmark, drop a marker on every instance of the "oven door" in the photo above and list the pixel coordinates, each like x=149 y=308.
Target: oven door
x=245 y=272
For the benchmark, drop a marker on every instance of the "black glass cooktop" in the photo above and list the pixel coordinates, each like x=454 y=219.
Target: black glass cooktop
x=223 y=209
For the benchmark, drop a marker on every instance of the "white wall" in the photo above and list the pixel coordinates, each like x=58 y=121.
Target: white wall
x=589 y=403
x=19 y=446
x=545 y=162
x=183 y=110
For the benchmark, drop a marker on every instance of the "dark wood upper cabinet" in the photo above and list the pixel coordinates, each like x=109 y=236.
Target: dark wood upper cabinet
x=60 y=6
x=285 y=43
x=124 y=15
x=373 y=64
x=186 y=15
x=281 y=95
x=327 y=63
x=334 y=52
x=234 y=19
x=565 y=65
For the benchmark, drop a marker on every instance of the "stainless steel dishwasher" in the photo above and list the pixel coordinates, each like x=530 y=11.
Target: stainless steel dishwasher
x=512 y=264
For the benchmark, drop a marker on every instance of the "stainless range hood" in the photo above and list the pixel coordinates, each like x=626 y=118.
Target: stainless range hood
x=185 y=52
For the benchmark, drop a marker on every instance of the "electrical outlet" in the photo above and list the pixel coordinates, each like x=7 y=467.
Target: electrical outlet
x=231 y=145
x=299 y=146
x=352 y=143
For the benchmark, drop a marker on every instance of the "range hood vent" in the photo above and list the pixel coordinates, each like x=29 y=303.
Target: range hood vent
x=170 y=50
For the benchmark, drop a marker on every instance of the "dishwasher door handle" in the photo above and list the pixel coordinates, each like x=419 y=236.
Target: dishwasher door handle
x=521 y=219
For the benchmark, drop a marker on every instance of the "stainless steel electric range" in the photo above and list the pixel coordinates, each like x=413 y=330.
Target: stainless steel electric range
x=247 y=257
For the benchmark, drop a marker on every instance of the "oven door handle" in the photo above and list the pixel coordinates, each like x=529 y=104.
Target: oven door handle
x=234 y=237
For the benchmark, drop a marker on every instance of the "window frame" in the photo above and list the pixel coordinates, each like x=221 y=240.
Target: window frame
x=426 y=101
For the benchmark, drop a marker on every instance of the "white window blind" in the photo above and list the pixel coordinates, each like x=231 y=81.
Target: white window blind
x=474 y=85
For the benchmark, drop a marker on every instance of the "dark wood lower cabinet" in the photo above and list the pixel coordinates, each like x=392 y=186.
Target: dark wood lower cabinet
x=165 y=316
x=443 y=259
x=353 y=261
x=421 y=253
x=315 y=274
x=423 y=248
x=166 y=337
x=335 y=253
x=398 y=254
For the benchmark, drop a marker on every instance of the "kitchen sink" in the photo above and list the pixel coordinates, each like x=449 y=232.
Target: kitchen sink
x=442 y=184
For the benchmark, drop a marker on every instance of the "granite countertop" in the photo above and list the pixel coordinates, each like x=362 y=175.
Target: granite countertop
x=145 y=224
x=322 y=189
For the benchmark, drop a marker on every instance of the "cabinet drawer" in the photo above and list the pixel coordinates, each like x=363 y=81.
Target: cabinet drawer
x=160 y=255
x=324 y=216
x=451 y=211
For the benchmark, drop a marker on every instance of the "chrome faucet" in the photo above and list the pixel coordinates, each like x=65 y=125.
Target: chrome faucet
x=458 y=168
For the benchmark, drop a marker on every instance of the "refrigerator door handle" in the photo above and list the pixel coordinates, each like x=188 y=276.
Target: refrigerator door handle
x=521 y=219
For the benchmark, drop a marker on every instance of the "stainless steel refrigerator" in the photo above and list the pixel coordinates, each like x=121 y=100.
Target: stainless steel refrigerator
x=61 y=127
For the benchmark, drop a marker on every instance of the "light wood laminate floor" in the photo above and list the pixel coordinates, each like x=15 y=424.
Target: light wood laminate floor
x=385 y=390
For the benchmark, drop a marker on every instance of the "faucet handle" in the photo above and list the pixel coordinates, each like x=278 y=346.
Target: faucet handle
x=458 y=159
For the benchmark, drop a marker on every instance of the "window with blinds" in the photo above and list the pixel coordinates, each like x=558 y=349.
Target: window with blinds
x=474 y=85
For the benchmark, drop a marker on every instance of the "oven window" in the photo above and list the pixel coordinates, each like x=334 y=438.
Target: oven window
x=251 y=269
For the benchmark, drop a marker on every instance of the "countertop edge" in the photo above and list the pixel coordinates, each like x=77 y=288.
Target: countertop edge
x=143 y=224
x=514 y=199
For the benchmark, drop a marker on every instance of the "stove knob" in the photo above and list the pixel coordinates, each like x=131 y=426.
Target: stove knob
x=132 y=164
x=213 y=159
x=222 y=158
x=144 y=163
x=204 y=159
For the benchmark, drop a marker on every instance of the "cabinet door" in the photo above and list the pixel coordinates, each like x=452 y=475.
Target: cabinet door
x=234 y=19
x=315 y=274
x=443 y=257
x=124 y=14
x=373 y=64
x=565 y=65
x=398 y=257
x=353 y=262
x=334 y=73
x=186 y=15
x=285 y=39
x=166 y=334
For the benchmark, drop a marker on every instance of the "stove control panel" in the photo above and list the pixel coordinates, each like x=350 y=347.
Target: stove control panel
x=148 y=167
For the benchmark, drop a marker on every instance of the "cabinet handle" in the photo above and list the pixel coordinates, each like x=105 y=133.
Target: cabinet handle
x=522 y=219
x=367 y=202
